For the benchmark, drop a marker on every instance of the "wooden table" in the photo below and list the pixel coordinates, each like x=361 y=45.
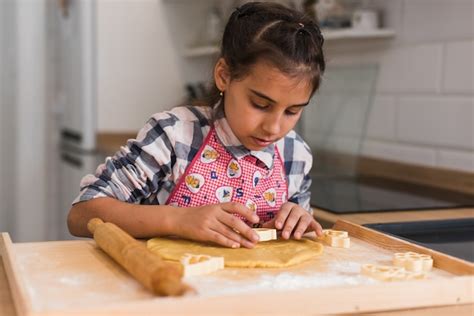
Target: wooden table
x=7 y=306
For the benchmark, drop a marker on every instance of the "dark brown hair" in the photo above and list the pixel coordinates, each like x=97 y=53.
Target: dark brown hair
x=263 y=31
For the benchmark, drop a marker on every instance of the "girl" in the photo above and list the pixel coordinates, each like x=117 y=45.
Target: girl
x=211 y=173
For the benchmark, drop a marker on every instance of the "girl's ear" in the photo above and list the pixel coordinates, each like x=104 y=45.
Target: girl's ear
x=221 y=75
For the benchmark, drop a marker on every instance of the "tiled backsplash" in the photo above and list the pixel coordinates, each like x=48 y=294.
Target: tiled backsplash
x=423 y=107
x=336 y=120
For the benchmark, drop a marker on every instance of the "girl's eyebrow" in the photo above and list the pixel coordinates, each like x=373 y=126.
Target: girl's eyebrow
x=261 y=95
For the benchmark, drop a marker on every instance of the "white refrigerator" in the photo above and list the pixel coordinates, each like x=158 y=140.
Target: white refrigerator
x=116 y=66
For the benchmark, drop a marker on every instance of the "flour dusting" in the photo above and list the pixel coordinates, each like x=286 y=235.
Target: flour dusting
x=340 y=273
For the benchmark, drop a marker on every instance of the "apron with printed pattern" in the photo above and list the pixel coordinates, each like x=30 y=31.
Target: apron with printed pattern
x=215 y=176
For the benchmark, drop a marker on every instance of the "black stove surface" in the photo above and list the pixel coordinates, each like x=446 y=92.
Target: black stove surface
x=454 y=236
x=345 y=194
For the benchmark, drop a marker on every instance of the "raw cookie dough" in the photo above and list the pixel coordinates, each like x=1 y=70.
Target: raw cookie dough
x=271 y=254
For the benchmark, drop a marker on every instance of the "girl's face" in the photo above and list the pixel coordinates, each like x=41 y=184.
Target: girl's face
x=264 y=106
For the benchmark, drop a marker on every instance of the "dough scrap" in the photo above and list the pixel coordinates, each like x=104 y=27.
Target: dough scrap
x=271 y=254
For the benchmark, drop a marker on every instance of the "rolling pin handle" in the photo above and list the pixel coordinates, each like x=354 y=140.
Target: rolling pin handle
x=93 y=224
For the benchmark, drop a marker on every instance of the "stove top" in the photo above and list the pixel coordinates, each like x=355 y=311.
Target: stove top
x=454 y=236
x=346 y=194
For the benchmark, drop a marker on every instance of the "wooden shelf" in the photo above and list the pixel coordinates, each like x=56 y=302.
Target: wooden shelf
x=349 y=33
x=200 y=51
x=329 y=35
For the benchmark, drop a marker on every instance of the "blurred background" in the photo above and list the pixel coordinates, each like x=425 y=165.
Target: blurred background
x=80 y=77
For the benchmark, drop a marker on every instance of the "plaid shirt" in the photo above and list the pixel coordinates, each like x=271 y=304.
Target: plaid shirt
x=146 y=170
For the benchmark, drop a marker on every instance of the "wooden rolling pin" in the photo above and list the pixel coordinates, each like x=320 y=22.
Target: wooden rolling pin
x=160 y=277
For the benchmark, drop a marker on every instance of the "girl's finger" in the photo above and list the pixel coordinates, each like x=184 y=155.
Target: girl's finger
x=269 y=224
x=280 y=219
x=315 y=226
x=236 y=224
x=290 y=224
x=303 y=224
x=233 y=235
x=222 y=240
x=237 y=208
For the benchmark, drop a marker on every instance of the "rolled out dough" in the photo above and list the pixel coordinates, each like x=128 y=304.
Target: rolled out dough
x=271 y=254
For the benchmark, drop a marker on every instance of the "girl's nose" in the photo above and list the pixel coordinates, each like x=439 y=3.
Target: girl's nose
x=271 y=125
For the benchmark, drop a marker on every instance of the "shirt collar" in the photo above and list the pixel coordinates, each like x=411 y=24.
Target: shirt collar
x=232 y=143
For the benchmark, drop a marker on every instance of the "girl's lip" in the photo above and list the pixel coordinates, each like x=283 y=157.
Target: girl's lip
x=262 y=142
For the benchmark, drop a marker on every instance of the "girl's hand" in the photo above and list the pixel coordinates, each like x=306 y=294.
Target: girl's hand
x=294 y=218
x=216 y=223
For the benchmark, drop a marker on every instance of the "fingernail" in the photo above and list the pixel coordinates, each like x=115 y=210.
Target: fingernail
x=298 y=235
x=255 y=218
x=235 y=246
x=286 y=234
x=278 y=225
x=255 y=237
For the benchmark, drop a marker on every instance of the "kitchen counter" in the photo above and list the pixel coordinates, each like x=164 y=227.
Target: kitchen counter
x=327 y=219
x=109 y=143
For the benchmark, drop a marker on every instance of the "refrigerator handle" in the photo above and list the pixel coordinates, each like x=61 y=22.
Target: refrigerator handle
x=71 y=136
x=74 y=161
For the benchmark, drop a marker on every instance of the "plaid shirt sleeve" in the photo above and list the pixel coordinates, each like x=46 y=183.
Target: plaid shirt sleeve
x=298 y=162
x=134 y=172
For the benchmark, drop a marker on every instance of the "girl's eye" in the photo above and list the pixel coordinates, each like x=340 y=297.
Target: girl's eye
x=258 y=106
x=290 y=113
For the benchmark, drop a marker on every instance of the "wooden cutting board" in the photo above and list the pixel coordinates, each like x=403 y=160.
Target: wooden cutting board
x=61 y=277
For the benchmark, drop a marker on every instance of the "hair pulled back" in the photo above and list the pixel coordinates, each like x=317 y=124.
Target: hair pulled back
x=263 y=31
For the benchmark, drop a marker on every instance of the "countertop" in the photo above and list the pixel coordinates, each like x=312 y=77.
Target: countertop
x=7 y=306
x=327 y=219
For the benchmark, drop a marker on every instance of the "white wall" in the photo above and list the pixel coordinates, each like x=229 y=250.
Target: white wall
x=423 y=111
x=137 y=67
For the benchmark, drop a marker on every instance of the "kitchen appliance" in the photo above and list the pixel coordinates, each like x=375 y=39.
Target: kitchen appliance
x=454 y=236
x=356 y=194
x=76 y=97
x=116 y=67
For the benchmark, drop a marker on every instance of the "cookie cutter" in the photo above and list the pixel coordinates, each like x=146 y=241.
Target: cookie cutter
x=413 y=261
x=201 y=264
x=266 y=234
x=336 y=238
x=390 y=273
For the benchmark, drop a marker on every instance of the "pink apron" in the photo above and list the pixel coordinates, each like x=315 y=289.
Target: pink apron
x=215 y=176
